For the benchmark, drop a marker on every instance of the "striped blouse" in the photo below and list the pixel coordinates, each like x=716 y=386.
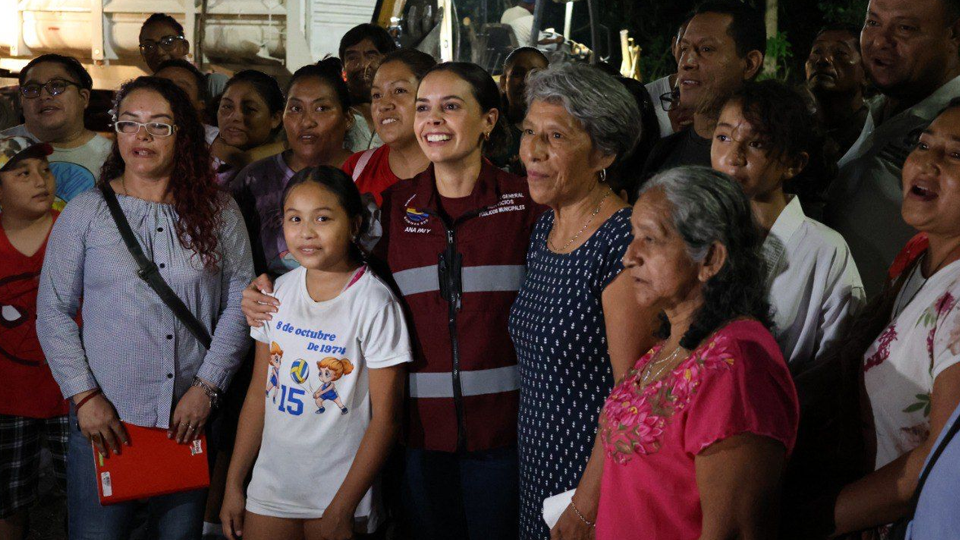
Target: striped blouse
x=130 y=344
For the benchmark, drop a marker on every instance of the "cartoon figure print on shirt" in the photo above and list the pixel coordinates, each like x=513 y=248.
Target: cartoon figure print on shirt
x=273 y=377
x=72 y=180
x=329 y=370
x=18 y=338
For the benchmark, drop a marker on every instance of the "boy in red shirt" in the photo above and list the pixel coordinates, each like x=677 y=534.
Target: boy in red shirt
x=31 y=406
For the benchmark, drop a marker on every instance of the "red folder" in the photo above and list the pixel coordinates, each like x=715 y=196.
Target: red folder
x=152 y=465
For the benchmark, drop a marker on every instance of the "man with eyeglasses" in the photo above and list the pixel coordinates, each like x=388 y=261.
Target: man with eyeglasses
x=722 y=47
x=162 y=39
x=54 y=92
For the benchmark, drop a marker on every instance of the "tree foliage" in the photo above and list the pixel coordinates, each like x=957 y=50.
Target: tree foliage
x=652 y=24
x=847 y=12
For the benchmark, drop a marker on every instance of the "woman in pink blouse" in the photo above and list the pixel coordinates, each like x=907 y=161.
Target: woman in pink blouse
x=696 y=435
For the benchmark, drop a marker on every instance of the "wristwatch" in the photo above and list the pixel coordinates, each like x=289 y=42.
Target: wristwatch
x=209 y=390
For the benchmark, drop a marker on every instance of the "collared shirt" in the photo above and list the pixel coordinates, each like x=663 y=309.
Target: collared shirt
x=131 y=345
x=815 y=288
x=864 y=201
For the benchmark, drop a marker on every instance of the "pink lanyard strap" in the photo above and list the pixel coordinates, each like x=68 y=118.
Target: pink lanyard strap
x=357 y=274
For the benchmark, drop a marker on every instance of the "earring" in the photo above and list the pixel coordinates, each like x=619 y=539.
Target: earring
x=603 y=176
x=486 y=137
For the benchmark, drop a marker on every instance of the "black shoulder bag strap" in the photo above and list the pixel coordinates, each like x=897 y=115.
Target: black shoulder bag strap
x=149 y=272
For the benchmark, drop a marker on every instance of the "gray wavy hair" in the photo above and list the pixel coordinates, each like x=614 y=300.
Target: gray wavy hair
x=707 y=207
x=602 y=105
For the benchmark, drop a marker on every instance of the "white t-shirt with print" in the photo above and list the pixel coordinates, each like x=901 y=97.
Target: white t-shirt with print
x=76 y=169
x=314 y=419
x=905 y=359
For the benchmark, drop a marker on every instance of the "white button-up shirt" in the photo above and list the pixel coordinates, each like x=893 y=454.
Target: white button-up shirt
x=814 y=285
x=864 y=201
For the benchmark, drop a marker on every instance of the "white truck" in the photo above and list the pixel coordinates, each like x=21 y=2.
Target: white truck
x=225 y=35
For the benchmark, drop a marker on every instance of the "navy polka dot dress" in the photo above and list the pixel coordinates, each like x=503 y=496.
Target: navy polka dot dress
x=559 y=332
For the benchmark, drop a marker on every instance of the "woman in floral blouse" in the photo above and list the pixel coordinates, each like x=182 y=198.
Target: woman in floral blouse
x=698 y=432
x=910 y=372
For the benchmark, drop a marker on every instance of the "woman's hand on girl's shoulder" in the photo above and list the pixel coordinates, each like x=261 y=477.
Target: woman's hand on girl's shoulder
x=258 y=307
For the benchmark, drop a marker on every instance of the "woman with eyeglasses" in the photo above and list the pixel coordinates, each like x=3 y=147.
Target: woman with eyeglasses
x=133 y=361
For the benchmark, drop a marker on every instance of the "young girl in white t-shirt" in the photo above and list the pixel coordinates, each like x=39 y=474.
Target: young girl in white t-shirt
x=338 y=339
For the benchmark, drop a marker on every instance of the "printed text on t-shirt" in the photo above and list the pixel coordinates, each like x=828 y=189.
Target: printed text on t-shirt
x=318 y=335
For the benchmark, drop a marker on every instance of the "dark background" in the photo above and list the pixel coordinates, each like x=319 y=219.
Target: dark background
x=652 y=23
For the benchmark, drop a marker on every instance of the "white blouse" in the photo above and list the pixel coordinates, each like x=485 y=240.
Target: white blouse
x=814 y=285
x=901 y=365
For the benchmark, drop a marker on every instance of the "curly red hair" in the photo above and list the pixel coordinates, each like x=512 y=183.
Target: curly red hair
x=197 y=198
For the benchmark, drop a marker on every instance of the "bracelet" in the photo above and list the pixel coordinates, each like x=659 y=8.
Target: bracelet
x=579 y=515
x=84 y=401
x=212 y=393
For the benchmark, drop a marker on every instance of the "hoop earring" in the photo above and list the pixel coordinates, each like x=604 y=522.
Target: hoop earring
x=603 y=176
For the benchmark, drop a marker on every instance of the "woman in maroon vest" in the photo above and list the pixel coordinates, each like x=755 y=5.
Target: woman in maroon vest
x=455 y=240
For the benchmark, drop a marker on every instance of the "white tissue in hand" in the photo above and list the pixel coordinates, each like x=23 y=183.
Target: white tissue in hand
x=553 y=507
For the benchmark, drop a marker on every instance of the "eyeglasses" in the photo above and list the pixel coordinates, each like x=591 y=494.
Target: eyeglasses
x=166 y=43
x=157 y=129
x=670 y=100
x=53 y=87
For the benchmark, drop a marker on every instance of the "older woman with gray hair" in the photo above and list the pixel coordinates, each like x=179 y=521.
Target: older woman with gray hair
x=574 y=324
x=697 y=432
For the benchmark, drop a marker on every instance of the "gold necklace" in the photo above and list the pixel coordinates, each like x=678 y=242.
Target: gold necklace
x=585 y=225
x=646 y=377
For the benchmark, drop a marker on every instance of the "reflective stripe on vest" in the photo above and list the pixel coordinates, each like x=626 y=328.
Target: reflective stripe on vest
x=474 y=383
x=507 y=277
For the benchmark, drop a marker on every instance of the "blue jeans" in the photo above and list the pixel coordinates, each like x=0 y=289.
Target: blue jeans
x=170 y=517
x=462 y=496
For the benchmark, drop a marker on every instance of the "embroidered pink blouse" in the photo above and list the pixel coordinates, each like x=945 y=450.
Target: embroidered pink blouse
x=736 y=382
